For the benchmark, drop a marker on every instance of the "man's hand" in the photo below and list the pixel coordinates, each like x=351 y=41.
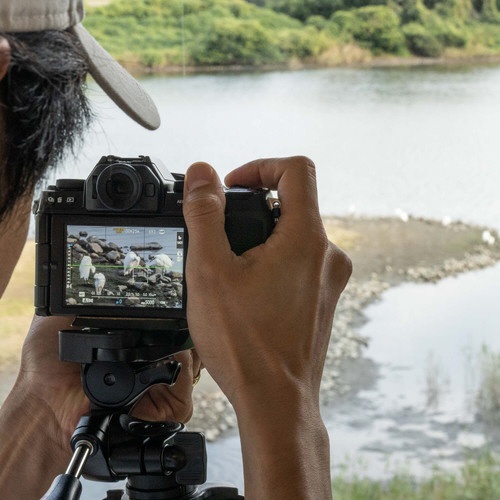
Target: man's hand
x=41 y=412
x=261 y=321
x=56 y=384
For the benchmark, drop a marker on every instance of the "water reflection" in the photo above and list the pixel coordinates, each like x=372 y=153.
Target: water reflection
x=427 y=341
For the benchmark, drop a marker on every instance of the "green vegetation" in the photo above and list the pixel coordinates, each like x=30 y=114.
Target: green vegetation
x=478 y=479
x=488 y=397
x=159 y=34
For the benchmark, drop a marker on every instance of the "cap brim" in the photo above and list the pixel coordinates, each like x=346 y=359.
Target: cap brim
x=120 y=86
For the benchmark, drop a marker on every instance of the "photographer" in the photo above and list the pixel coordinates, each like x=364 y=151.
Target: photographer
x=261 y=322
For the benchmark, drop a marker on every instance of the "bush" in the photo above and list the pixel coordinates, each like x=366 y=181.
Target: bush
x=420 y=42
x=455 y=9
x=448 y=32
x=375 y=27
x=303 y=9
x=489 y=12
x=318 y=22
x=151 y=58
x=302 y=43
x=234 y=41
x=342 y=22
x=413 y=11
x=451 y=36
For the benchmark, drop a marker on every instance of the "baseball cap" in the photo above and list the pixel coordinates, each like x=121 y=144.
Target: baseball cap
x=39 y=15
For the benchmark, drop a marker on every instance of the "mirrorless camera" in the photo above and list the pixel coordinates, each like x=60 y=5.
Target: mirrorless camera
x=115 y=244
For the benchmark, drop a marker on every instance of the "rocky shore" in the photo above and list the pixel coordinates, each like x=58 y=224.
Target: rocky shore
x=385 y=252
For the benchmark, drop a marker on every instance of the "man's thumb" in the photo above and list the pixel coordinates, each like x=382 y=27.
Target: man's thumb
x=204 y=204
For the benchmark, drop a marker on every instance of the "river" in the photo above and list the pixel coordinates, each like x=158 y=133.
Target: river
x=420 y=139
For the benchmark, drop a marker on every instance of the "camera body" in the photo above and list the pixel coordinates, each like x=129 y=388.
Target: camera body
x=115 y=245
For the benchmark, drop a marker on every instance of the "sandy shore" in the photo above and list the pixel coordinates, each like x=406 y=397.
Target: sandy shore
x=385 y=252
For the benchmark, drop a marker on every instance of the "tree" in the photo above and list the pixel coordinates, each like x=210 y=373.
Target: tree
x=375 y=27
x=303 y=9
x=421 y=42
x=234 y=41
x=490 y=10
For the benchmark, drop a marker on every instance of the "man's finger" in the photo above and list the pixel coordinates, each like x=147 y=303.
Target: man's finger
x=294 y=178
x=204 y=204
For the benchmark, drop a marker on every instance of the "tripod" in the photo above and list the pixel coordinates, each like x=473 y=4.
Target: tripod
x=160 y=460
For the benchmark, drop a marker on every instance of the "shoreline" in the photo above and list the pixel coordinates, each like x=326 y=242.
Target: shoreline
x=385 y=61
x=213 y=414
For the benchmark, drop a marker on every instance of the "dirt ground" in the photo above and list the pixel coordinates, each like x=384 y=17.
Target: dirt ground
x=389 y=246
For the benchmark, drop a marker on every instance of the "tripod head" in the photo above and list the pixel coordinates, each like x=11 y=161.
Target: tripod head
x=119 y=362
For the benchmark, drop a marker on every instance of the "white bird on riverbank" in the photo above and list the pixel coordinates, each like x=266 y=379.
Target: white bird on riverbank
x=402 y=214
x=488 y=238
x=99 y=282
x=86 y=268
x=446 y=221
x=161 y=263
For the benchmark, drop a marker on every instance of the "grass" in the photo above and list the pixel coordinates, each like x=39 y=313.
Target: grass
x=478 y=479
x=488 y=397
x=16 y=307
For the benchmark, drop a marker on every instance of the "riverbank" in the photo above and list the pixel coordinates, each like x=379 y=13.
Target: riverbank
x=349 y=58
x=385 y=253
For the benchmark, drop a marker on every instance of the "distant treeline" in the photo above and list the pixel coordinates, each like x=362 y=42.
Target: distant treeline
x=157 y=34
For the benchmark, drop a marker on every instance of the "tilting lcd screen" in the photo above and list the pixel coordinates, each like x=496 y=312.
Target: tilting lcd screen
x=124 y=266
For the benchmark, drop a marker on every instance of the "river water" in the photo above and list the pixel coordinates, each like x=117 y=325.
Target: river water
x=423 y=140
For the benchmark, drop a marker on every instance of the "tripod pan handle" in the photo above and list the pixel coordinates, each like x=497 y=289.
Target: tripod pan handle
x=64 y=487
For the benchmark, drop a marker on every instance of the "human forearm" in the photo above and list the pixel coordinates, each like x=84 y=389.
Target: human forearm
x=286 y=452
x=29 y=455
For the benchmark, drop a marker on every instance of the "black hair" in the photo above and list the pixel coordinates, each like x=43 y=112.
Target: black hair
x=46 y=109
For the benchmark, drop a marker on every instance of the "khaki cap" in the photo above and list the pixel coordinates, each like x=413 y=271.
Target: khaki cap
x=38 y=15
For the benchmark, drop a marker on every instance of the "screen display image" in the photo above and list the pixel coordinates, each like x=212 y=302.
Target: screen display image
x=124 y=266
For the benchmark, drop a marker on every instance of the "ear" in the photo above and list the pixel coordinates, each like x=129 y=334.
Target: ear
x=4 y=57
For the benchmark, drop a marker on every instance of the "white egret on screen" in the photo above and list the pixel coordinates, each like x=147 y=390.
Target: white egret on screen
x=132 y=260
x=86 y=268
x=161 y=263
x=99 y=282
